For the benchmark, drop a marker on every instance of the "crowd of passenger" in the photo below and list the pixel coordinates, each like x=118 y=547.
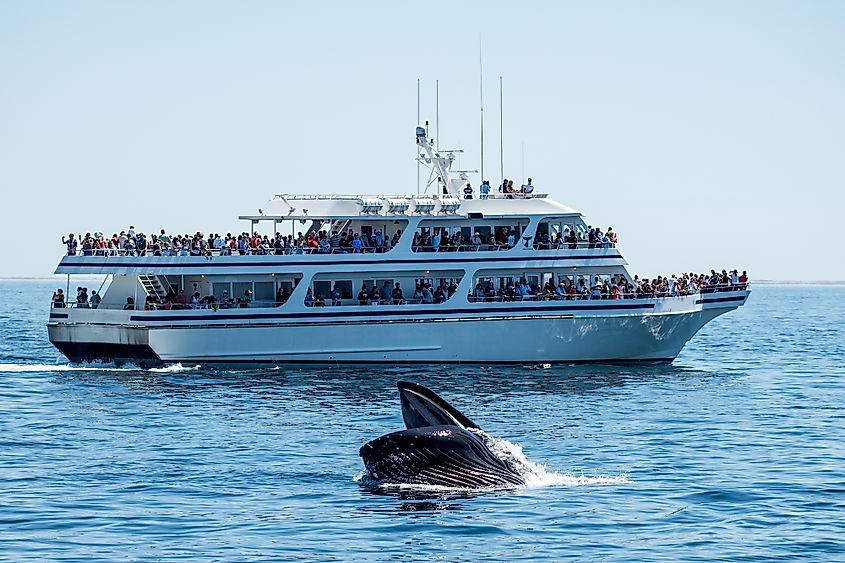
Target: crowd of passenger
x=439 y=240
x=594 y=238
x=132 y=243
x=424 y=292
x=567 y=288
x=617 y=287
x=175 y=299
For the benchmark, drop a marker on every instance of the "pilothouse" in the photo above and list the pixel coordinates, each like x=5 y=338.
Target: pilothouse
x=453 y=275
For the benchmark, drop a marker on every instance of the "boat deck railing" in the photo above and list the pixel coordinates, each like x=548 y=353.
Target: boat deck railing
x=301 y=251
x=536 y=297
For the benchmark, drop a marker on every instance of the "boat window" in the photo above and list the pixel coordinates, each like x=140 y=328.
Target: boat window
x=323 y=287
x=475 y=236
x=264 y=291
x=416 y=287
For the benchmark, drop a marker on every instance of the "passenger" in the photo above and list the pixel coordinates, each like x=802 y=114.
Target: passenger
x=59 y=298
x=439 y=295
x=181 y=300
x=468 y=191
x=82 y=297
x=384 y=294
x=130 y=304
x=309 y=298
x=71 y=243
x=484 y=189
x=595 y=289
x=527 y=189
x=428 y=297
x=397 y=295
x=280 y=297
x=560 y=292
x=363 y=295
x=357 y=246
x=195 y=300
x=418 y=294
x=337 y=296
x=95 y=299
x=319 y=301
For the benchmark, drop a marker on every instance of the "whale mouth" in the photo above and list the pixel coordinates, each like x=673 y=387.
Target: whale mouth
x=423 y=407
x=441 y=456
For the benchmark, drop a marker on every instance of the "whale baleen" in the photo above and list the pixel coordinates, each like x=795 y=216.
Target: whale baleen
x=440 y=446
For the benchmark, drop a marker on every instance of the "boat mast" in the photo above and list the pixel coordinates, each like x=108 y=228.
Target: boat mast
x=501 y=131
x=481 y=96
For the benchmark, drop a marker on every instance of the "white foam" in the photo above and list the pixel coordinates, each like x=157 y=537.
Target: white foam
x=94 y=366
x=537 y=475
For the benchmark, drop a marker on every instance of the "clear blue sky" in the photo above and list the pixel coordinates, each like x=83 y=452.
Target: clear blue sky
x=707 y=134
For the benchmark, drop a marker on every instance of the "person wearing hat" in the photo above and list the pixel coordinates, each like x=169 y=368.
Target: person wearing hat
x=468 y=191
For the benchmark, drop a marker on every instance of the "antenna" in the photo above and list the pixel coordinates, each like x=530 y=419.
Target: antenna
x=437 y=110
x=481 y=95
x=501 y=131
x=416 y=149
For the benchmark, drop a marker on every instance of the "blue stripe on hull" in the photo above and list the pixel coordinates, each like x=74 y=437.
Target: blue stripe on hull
x=316 y=314
x=719 y=299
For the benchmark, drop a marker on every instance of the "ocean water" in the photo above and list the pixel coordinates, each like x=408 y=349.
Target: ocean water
x=735 y=452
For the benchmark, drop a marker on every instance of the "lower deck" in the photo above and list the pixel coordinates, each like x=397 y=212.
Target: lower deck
x=653 y=329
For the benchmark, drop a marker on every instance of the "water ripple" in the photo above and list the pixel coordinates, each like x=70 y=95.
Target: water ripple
x=731 y=453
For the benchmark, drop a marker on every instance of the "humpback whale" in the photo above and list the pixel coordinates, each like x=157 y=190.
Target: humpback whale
x=440 y=446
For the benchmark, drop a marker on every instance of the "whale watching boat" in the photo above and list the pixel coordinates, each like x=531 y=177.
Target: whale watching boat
x=459 y=275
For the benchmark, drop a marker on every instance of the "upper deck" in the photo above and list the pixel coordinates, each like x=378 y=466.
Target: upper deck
x=351 y=231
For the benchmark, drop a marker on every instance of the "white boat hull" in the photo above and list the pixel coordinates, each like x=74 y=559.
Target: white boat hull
x=559 y=332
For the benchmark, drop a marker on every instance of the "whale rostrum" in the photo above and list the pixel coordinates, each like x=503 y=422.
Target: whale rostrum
x=440 y=446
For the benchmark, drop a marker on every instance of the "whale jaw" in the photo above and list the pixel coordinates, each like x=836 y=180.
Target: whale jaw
x=443 y=455
x=422 y=407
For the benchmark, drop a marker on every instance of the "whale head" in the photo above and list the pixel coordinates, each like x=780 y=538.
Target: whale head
x=440 y=446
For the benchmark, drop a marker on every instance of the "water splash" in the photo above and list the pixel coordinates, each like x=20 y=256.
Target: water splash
x=536 y=475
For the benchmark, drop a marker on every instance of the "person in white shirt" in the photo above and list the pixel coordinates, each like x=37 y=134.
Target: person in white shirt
x=527 y=189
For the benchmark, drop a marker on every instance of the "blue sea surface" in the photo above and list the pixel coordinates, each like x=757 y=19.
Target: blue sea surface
x=734 y=452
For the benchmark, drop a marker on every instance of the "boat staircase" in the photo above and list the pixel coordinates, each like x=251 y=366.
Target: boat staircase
x=339 y=225
x=153 y=286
